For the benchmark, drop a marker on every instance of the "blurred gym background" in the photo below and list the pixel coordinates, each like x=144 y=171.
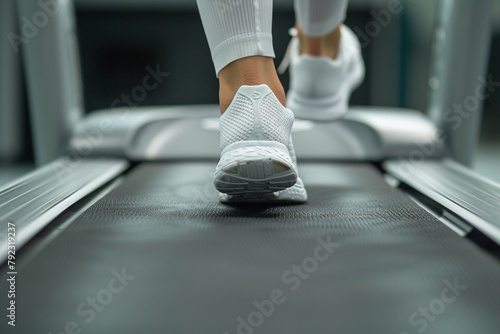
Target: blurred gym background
x=120 y=38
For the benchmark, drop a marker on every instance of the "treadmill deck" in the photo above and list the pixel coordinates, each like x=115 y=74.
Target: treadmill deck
x=370 y=261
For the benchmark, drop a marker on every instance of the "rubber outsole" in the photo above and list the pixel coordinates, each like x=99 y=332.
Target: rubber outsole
x=254 y=170
x=294 y=195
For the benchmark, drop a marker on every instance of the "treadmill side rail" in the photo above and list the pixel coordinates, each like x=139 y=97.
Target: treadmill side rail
x=33 y=201
x=461 y=191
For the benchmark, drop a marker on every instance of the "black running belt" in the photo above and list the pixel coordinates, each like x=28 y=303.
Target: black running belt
x=160 y=254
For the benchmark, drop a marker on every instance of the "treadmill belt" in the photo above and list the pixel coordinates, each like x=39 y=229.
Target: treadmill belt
x=160 y=254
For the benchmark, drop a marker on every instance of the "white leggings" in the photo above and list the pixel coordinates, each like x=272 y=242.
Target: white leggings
x=242 y=28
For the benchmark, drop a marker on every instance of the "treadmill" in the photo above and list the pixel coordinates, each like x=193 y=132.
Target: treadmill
x=124 y=233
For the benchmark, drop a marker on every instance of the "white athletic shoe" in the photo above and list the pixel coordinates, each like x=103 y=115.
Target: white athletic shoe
x=320 y=87
x=257 y=162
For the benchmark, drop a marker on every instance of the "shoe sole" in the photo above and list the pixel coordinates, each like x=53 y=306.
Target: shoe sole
x=255 y=168
x=296 y=194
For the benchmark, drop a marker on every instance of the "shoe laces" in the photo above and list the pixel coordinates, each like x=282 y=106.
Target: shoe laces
x=294 y=43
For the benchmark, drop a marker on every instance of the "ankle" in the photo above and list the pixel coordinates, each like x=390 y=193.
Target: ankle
x=252 y=71
x=324 y=46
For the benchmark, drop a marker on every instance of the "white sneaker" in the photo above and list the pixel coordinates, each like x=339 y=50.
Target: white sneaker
x=320 y=87
x=257 y=160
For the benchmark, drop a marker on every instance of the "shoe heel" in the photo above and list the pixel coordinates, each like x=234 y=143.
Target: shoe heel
x=258 y=167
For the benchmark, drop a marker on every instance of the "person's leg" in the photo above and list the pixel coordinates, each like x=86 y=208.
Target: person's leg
x=252 y=71
x=319 y=18
x=240 y=40
x=257 y=158
x=323 y=46
x=318 y=26
x=326 y=63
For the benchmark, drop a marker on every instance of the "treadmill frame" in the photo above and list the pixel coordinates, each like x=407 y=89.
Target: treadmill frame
x=57 y=110
x=463 y=38
x=462 y=41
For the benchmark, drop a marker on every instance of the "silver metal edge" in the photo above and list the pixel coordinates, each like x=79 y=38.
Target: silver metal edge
x=481 y=224
x=26 y=233
x=38 y=247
